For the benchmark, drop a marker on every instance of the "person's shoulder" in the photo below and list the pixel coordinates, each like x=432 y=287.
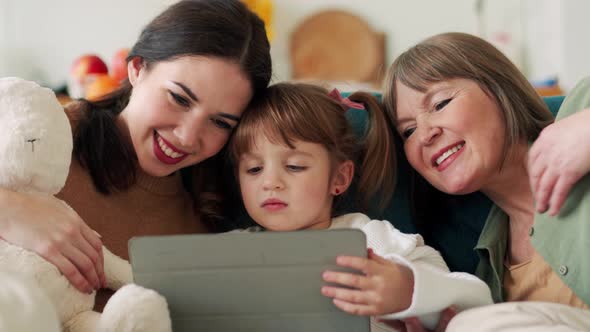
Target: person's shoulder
x=583 y=83
x=577 y=99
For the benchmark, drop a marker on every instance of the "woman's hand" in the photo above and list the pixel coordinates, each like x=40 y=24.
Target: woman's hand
x=385 y=287
x=53 y=230
x=413 y=324
x=558 y=159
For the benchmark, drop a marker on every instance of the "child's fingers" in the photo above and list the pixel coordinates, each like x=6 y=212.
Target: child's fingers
x=358 y=263
x=346 y=279
x=347 y=295
x=353 y=308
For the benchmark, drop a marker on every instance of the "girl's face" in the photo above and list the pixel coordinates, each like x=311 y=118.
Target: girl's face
x=288 y=189
x=453 y=134
x=182 y=111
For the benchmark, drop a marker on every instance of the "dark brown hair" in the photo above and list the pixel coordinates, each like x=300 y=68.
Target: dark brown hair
x=215 y=28
x=296 y=111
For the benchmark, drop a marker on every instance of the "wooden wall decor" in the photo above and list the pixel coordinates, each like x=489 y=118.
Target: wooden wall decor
x=336 y=45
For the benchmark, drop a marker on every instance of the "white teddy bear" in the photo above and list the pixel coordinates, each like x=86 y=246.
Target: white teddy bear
x=35 y=154
x=24 y=307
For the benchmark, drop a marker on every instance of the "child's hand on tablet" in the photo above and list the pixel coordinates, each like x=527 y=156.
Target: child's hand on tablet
x=384 y=287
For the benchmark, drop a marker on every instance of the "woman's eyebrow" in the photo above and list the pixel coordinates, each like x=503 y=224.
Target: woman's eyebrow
x=186 y=90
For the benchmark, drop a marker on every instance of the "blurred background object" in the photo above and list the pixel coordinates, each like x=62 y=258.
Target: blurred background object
x=335 y=46
x=264 y=10
x=84 y=71
x=548 y=87
x=90 y=77
x=119 y=65
x=100 y=86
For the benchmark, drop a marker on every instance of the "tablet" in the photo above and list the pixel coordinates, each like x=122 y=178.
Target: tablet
x=237 y=281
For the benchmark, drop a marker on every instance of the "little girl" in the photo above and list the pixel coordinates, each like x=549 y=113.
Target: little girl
x=295 y=155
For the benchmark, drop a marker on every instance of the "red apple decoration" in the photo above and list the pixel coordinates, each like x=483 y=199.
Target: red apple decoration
x=84 y=69
x=88 y=64
x=119 y=65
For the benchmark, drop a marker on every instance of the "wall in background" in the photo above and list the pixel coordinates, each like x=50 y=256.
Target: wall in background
x=3 y=37
x=404 y=22
x=574 y=59
x=40 y=39
x=543 y=31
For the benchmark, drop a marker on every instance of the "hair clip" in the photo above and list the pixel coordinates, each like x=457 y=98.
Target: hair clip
x=345 y=102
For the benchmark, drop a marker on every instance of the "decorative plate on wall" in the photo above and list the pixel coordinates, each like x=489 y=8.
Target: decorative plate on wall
x=336 y=45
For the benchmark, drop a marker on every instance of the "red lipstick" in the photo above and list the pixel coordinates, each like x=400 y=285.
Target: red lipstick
x=162 y=156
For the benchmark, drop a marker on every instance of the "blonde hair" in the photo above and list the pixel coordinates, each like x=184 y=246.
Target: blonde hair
x=459 y=55
x=297 y=111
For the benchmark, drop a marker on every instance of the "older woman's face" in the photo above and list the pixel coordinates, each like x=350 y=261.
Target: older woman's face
x=453 y=134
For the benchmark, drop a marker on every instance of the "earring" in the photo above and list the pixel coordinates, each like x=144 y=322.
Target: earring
x=337 y=191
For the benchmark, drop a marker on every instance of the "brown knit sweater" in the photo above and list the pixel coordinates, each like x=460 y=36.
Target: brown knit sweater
x=153 y=206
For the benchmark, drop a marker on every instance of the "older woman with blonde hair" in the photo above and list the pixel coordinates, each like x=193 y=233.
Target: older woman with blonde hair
x=468 y=118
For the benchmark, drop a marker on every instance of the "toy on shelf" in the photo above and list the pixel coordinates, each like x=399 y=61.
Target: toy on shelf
x=90 y=77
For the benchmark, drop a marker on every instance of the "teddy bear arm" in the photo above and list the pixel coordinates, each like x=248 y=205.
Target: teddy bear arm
x=117 y=270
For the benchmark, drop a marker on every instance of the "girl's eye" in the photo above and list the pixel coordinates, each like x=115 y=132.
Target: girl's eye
x=222 y=124
x=254 y=170
x=180 y=100
x=408 y=132
x=442 y=104
x=296 y=168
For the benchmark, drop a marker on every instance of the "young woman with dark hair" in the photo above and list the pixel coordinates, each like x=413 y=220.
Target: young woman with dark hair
x=192 y=72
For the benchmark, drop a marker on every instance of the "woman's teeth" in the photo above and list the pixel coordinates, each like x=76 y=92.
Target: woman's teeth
x=167 y=150
x=448 y=153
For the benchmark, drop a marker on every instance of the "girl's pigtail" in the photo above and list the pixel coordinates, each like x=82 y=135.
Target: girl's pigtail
x=377 y=167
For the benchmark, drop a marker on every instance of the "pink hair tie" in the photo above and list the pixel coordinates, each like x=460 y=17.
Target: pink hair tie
x=345 y=102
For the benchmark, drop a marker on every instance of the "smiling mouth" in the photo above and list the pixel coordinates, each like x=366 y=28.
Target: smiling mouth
x=444 y=154
x=168 y=150
x=165 y=152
